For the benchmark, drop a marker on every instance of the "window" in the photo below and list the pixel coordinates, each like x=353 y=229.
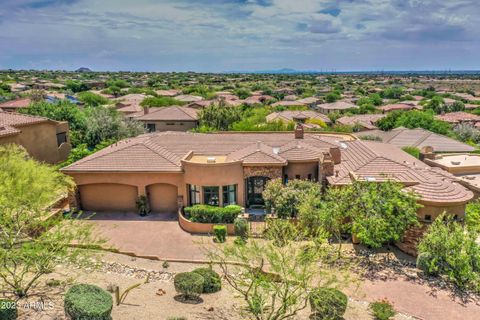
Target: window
x=194 y=194
x=61 y=138
x=229 y=195
x=297 y=176
x=151 y=127
x=310 y=176
x=285 y=179
x=170 y=123
x=428 y=217
x=211 y=195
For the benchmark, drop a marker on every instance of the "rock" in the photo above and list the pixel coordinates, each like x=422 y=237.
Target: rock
x=210 y=309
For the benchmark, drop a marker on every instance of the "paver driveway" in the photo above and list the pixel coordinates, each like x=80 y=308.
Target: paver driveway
x=154 y=235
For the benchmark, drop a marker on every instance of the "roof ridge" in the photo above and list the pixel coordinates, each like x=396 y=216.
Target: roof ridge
x=148 y=144
x=426 y=135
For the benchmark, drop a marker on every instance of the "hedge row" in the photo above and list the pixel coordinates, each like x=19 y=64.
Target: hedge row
x=210 y=214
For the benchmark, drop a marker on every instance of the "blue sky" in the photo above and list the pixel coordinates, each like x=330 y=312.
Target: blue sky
x=224 y=35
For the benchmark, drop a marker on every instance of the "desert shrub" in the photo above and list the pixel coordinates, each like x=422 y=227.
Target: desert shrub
x=210 y=214
x=84 y=301
x=189 y=284
x=211 y=280
x=370 y=137
x=328 y=303
x=241 y=227
x=220 y=233
x=8 y=310
x=280 y=231
x=382 y=310
x=423 y=260
x=413 y=151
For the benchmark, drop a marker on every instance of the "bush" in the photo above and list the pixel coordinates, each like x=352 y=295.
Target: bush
x=210 y=214
x=328 y=303
x=8 y=310
x=212 y=282
x=423 y=261
x=241 y=227
x=414 y=152
x=382 y=310
x=84 y=301
x=220 y=233
x=190 y=284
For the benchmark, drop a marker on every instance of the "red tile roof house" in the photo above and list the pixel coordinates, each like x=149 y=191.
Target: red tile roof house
x=397 y=106
x=15 y=105
x=338 y=106
x=364 y=121
x=44 y=139
x=306 y=118
x=172 y=118
x=129 y=103
x=459 y=117
x=176 y=169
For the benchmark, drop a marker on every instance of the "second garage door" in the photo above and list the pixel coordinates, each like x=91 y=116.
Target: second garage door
x=108 y=197
x=163 y=197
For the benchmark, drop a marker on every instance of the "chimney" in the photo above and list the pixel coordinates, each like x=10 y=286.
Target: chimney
x=326 y=167
x=427 y=153
x=146 y=110
x=336 y=155
x=299 y=131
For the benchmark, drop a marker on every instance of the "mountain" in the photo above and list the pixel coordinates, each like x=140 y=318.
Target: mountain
x=83 y=69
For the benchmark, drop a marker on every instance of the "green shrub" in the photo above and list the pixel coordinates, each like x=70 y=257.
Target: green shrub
x=328 y=303
x=190 y=284
x=8 y=310
x=210 y=214
x=220 y=233
x=212 y=282
x=241 y=227
x=382 y=310
x=423 y=261
x=88 y=302
x=413 y=151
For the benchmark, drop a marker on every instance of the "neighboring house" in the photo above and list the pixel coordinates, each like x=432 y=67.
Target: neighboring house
x=456 y=117
x=129 y=103
x=338 y=106
x=363 y=121
x=15 y=105
x=310 y=101
x=419 y=138
x=188 y=98
x=172 y=118
x=44 y=139
x=285 y=103
x=397 y=106
x=308 y=118
x=200 y=104
x=175 y=169
x=168 y=93
x=257 y=99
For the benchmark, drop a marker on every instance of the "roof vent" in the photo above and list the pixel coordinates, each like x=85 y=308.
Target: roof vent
x=211 y=160
x=343 y=145
x=370 y=179
x=276 y=150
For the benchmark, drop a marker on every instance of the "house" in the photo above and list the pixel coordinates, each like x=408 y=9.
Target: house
x=397 y=106
x=285 y=103
x=258 y=99
x=44 y=139
x=168 y=93
x=338 y=106
x=419 y=138
x=176 y=169
x=172 y=118
x=129 y=103
x=15 y=105
x=188 y=98
x=309 y=119
x=456 y=117
x=200 y=104
x=363 y=121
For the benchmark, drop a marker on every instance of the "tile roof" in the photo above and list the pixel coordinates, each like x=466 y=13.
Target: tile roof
x=292 y=115
x=460 y=116
x=174 y=113
x=9 y=122
x=17 y=104
x=367 y=121
x=403 y=137
x=338 y=105
x=397 y=106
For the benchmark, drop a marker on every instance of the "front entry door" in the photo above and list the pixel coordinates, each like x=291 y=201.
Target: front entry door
x=255 y=187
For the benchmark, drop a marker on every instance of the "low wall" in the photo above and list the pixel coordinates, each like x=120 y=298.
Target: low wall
x=197 y=227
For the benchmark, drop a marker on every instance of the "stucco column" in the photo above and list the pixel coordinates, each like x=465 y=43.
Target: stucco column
x=142 y=190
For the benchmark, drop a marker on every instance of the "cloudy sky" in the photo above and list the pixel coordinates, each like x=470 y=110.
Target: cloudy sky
x=226 y=35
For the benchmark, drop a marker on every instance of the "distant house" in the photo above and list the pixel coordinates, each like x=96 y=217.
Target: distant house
x=419 y=138
x=200 y=104
x=397 y=106
x=459 y=117
x=257 y=99
x=44 y=139
x=285 y=103
x=308 y=118
x=168 y=93
x=338 y=106
x=15 y=105
x=174 y=118
x=129 y=103
x=188 y=98
x=364 y=121
x=311 y=101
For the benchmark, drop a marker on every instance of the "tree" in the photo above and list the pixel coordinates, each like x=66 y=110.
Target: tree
x=449 y=249
x=332 y=97
x=392 y=93
x=32 y=242
x=436 y=104
x=160 y=102
x=275 y=281
x=413 y=119
x=91 y=99
x=218 y=116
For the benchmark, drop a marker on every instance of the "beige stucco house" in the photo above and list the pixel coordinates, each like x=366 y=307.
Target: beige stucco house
x=44 y=139
x=174 y=118
x=181 y=168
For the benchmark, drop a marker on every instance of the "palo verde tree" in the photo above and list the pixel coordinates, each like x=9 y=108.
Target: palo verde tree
x=275 y=276
x=32 y=242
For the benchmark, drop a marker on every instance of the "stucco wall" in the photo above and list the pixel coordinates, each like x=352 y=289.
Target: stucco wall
x=40 y=141
x=302 y=169
x=435 y=211
x=176 y=125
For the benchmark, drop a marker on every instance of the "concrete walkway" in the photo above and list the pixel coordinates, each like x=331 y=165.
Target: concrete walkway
x=154 y=235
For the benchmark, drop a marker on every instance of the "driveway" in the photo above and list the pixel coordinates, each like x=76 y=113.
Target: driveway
x=154 y=235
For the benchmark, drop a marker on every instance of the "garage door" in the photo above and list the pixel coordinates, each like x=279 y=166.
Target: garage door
x=163 y=197
x=108 y=197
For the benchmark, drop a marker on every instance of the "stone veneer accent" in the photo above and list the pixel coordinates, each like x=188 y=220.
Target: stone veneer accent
x=411 y=238
x=262 y=171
